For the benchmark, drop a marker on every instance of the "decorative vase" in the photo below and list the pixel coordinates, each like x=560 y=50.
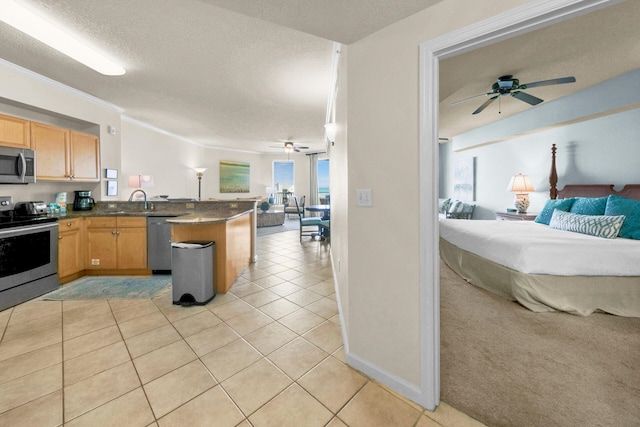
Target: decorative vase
x=265 y=206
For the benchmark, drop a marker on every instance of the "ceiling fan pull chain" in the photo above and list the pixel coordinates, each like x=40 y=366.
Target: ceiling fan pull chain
x=499 y=105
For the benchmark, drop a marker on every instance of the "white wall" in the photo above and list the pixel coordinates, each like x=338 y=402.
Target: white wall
x=170 y=160
x=598 y=151
x=382 y=277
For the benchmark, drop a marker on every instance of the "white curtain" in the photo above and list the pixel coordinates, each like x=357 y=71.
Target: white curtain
x=313 y=172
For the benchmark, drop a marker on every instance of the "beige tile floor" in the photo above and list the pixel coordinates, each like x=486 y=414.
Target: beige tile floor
x=268 y=353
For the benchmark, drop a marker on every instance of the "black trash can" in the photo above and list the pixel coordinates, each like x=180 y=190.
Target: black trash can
x=192 y=267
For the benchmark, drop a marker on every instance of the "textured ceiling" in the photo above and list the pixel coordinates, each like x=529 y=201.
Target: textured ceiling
x=593 y=48
x=250 y=75
x=204 y=71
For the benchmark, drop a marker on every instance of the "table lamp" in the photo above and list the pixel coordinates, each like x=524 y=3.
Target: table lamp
x=522 y=186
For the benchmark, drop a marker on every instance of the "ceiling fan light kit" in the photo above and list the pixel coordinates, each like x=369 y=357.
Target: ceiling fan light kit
x=507 y=85
x=290 y=147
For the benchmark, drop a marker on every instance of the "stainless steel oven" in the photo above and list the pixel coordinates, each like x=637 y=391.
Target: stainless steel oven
x=28 y=258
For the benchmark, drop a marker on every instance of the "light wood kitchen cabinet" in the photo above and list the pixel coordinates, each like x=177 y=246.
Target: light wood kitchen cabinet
x=70 y=249
x=65 y=155
x=14 y=132
x=84 y=156
x=116 y=244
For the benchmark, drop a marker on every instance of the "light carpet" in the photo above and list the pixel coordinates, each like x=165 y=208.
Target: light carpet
x=111 y=287
x=507 y=366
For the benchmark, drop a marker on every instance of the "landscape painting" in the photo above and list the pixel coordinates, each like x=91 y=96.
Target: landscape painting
x=234 y=177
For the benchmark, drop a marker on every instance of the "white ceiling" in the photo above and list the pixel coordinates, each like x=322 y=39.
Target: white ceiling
x=239 y=73
x=594 y=47
x=250 y=75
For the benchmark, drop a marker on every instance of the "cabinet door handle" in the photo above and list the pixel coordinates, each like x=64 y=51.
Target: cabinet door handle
x=59 y=237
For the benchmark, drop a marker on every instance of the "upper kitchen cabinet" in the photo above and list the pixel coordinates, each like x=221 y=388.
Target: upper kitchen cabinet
x=65 y=155
x=85 y=156
x=14 y=132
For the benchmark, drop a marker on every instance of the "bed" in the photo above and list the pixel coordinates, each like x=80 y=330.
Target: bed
x=547 y=269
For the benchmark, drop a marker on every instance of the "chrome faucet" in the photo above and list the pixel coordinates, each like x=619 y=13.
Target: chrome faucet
x=143 y=193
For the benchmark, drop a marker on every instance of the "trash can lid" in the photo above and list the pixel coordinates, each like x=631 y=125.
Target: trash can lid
x=192 y=244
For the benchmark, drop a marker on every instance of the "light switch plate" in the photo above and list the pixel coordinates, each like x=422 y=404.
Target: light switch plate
x=364 y=197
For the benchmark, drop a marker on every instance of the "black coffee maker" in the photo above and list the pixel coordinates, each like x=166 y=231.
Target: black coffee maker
x=83 y=201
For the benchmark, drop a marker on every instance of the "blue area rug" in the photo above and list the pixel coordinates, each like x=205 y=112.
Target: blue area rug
x=111 y=287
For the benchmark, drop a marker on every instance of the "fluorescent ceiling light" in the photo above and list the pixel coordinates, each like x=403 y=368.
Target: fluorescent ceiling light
x=29 y=23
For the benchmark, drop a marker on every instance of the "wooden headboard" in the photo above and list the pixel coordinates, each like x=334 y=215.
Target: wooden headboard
x=630 y=191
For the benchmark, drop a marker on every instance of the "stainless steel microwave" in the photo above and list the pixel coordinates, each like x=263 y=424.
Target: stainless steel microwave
x=17 y=166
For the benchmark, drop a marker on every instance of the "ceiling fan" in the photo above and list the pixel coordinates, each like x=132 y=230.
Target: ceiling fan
x=507 y=85
x=290 y=147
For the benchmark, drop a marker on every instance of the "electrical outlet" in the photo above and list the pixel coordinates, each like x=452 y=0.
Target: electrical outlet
x=95 y=261
x=111 y=206
x=190 y=206
x=234 y=206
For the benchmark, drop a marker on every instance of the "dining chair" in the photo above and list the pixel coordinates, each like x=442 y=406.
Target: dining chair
x=308 y=226
x=293 y=208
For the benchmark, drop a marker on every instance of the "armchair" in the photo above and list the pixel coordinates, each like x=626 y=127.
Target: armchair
x=292 y=208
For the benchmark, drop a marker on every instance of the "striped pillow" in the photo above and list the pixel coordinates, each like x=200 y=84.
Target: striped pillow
x=594 y=225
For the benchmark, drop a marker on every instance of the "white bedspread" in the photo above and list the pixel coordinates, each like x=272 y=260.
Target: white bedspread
x=534 y=248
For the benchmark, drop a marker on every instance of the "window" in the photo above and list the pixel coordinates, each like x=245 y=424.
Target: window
x=323 y=178
x=283 y=175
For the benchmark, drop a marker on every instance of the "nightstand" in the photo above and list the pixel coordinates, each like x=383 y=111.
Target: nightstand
x=515 y=216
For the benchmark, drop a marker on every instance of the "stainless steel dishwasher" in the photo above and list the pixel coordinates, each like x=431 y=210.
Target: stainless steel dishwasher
x=159 y=244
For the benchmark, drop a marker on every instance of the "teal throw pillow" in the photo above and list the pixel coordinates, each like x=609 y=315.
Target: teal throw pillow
x=617 y=205
x=594 y=225
x=589 y=205
x=550 y=206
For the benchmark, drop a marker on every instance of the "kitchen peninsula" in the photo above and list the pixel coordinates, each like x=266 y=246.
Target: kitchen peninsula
x=230 y=224
x=232 y=237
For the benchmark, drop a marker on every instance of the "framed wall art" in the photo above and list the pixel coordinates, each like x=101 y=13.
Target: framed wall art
x=234 y=177
x=112 y=188
x=464 y=179
x=111 y=173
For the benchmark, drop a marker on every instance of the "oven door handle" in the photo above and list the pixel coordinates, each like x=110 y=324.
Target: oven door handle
x=22 y=166
x=13 y=230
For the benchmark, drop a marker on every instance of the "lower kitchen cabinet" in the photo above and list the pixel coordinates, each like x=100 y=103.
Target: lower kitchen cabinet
x=70 y=249
x=116 y=244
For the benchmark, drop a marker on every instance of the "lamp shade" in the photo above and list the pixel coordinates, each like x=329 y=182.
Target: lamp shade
x=200 y=171
x=520 y=184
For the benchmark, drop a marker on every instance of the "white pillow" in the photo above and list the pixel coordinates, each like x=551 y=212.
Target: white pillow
x=595 y=225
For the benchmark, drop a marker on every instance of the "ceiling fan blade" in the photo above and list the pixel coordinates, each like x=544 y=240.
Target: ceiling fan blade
x=486 y=104
x=302 y=147
x=529 y=99
x=559 y=81
x=473 y=97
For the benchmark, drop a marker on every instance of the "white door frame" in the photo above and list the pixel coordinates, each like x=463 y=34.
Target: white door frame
x=529 y=17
